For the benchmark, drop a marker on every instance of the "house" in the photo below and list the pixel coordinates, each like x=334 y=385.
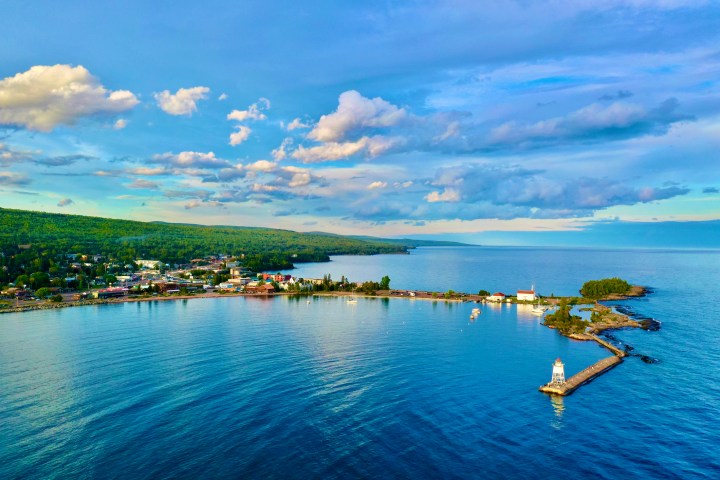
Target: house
x=277 y=277
x=526 y=295
x=497 y=297
x=152 y=264
x=261 y=289
x=227 y=286
x=236 y=271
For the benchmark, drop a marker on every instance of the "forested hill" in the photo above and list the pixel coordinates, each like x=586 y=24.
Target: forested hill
x=26 y=236
x=405 y=242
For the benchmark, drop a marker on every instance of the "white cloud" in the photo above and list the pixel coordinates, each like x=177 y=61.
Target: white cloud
x=297 y=123
x=448 y=195
x=280 y=153
x=239 y=136
x=120 y=124
x=190 y=160
x=65 y=202
x=183 y=102
x=300 y=179
x=262 y=166
x=47 y=96
x=377 y=184
x=223 y=96
x=371 y=146
x=254 y=111
x=354 y=112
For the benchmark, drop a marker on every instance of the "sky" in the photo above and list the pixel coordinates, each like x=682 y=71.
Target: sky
x=496 y=122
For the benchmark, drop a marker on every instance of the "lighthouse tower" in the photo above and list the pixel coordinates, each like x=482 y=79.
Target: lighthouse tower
x=558 y=372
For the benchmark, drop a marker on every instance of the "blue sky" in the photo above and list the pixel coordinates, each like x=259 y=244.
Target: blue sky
x=523 y=122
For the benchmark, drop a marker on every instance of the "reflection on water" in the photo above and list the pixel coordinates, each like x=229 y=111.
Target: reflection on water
x=558 y=404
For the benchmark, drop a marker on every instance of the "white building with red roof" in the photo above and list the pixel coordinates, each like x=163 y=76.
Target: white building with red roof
x=526 y=295
x=497 y=297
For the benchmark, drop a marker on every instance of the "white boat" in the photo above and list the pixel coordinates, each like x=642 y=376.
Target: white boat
x=352 y=298
x=539 y=309
x=474 y=314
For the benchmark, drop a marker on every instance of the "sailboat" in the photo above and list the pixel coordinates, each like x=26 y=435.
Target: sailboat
x=539 y=309
x=352 y=298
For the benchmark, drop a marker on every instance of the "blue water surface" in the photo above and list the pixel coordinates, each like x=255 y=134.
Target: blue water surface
x=385 y=388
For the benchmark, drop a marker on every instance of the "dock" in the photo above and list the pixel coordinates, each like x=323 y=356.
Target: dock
x=594 y=370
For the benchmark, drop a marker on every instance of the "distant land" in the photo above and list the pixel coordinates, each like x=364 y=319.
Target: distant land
x=32 y=242
x=407 y=242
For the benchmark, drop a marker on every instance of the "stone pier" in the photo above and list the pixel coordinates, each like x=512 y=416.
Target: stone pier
x=582 y=377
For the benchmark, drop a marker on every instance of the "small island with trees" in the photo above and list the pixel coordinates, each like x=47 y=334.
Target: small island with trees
x=602 y=317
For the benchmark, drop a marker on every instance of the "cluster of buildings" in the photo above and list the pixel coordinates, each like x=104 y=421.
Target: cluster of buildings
x=522 y=296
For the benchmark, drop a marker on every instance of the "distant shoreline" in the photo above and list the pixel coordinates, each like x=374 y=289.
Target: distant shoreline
x=620 y=320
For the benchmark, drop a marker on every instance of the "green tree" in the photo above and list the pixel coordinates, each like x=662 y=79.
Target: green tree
x=601 y=288
x=385 y=283
x=42 y=292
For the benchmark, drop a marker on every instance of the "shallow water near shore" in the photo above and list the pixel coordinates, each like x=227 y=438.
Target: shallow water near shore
x=389 y=388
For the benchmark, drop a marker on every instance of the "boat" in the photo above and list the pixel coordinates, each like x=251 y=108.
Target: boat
x=352 y=298
x=539 y=309
x=474 y=314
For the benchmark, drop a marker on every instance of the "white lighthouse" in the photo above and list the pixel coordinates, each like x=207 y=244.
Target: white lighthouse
x=558 y=372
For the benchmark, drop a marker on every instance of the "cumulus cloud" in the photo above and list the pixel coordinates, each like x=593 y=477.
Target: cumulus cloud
x=190 y=160
x=262 y=166
x=376 y=185
x=65 y=202
x=182 y=102
x=369 y=146
x=254 y=111
x=13 y=179
x=120 y=124
x=297 y=124
x=44 y=97
x=223 y=96
x=280 y=153
x=448 y=195
x=299 y=179
x=241 y=134
x=355 y=112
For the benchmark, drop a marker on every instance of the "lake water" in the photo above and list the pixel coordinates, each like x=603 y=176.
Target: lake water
x=393 y=388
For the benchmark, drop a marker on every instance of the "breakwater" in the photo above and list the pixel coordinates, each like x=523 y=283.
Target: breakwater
x=586 y=375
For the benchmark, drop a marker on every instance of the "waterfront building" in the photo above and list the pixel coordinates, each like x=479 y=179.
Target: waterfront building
x=526 y=295
x=497 y=297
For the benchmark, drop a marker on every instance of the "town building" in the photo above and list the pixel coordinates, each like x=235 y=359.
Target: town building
x=497 y=297
x=526 y=295
x=148 y=263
